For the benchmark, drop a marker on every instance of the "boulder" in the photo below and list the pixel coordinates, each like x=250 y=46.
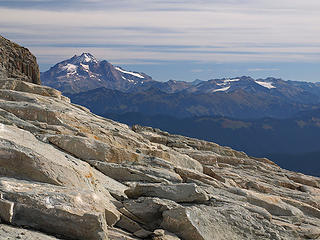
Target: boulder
x=160 y=234
x=71 y=213
x=227 y=221
x=91 y=149
x=187 y=225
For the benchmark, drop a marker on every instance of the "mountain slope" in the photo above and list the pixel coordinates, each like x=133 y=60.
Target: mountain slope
x=237 y=104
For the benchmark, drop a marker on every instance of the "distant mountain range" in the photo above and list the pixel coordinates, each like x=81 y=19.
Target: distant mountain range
x=264 y=117
x=83 y=73
x=93 y=83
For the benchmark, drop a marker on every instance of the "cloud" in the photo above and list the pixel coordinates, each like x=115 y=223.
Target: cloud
x=150 y=30
x=263 y=69
x=197 y=70
x=172 y=5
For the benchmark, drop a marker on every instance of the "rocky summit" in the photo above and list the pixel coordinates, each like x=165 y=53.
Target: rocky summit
x=17 y=62
x=66 y=173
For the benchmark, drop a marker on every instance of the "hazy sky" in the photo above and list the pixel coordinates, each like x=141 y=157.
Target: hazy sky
x=178 y=39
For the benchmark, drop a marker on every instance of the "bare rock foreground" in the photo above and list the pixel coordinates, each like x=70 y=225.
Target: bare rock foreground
x=66 y=173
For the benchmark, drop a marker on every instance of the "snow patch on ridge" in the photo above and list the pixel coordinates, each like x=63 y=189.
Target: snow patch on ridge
x=228 y=81
x=127 y=72
x=231 y=80
x=87 y=58
x=129 y=80
x=266 y=84
x=71 y=69
x=85 y=67
x=221 y=89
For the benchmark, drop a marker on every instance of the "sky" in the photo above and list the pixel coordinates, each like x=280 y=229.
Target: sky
x=177 y=39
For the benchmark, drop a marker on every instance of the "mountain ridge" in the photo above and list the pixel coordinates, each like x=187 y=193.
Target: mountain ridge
x=119 y=74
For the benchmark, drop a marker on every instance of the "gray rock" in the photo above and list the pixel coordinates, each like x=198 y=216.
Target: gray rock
x=185 y=225
x=8 y=118
x=181 y=192
x=119 y=234
x=25 y=156
x=273 y=204
x=224 y=222
x=188 y=174
x=136 y=172
x=69 y=212
x=18 y=62
x=13 y=233
x=6 y=210
x=83 y=147
x=21 y=86
x=160 y=234
x=149 y=210
x=142 y=233
x=128 y=224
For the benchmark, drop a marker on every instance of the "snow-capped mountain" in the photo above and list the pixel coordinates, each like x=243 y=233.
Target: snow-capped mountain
x=85 y=72
x=232 y=84
x=295 y=91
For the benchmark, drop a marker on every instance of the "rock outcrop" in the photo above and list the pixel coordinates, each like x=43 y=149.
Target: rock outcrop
x=66 y=173
x=17 y=62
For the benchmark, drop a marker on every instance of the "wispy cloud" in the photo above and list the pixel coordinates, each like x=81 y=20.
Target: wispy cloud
x=263 y=69
x=150 y=30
